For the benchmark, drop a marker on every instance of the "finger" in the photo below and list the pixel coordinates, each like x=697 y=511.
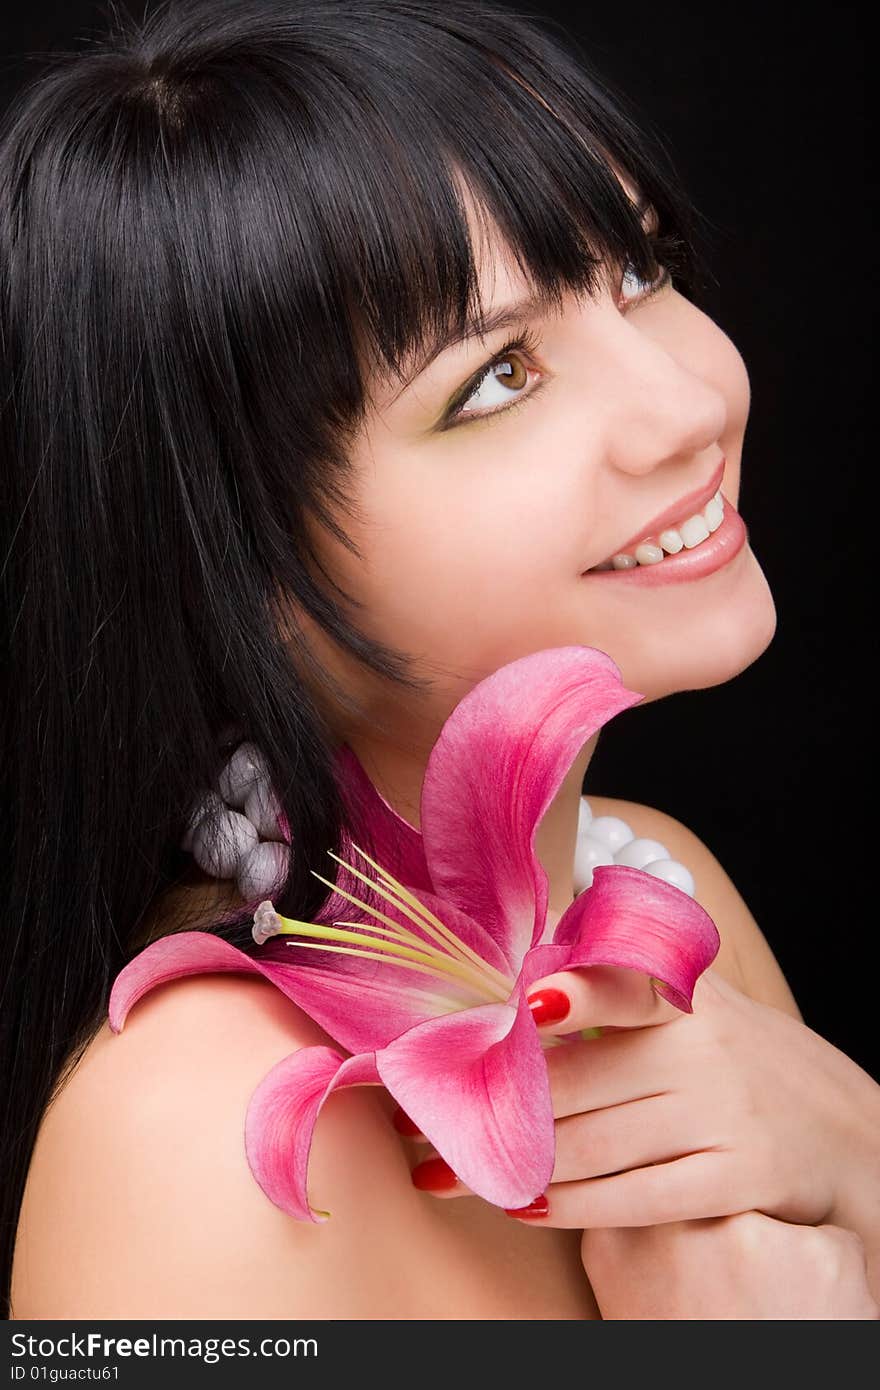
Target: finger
x=434 y=1175
x=691 y=1188
x=626 y=1065
x=595 y=996
x=656 y=1129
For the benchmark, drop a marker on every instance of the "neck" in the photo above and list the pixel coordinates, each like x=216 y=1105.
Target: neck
x=398 y=775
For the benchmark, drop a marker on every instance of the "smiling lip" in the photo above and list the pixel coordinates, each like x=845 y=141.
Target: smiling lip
x=710 y=555
x=685 y=507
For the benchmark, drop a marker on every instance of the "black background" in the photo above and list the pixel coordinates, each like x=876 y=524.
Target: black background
x=763 y=114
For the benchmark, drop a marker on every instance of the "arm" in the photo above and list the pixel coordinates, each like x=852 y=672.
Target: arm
x=140 y=1203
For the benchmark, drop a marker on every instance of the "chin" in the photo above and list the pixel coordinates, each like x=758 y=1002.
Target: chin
x=707 y=653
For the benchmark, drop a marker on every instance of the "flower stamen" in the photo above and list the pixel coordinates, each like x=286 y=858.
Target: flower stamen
x=430 y=923
x=448 y=958
x=404 y=964
x=433 y=961
x=444 y=962
x=392 y=898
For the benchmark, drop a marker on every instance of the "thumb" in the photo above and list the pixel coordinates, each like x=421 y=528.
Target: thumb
x=597 y=996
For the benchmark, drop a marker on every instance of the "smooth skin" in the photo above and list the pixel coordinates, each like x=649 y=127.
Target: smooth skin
x=725 y=1102
x=168 y=1222
x=474 y=543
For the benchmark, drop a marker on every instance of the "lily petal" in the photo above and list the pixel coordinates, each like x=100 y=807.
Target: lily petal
x=496 y=766
x=281 y=1116
x=360 y=1003
x=181 y=953
x=630 y=918
x=396 y=844
x=476 y=1084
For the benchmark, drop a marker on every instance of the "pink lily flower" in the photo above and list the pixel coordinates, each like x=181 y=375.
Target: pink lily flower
x=426 y=983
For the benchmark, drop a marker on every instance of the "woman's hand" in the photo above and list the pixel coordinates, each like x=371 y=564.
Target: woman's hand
x=734 y=1107
x=749 y=1267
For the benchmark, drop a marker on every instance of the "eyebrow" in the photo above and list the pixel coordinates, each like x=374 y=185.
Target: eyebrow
x=504 y=316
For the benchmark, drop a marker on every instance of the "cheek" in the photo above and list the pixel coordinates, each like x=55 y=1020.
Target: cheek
x=464 y=558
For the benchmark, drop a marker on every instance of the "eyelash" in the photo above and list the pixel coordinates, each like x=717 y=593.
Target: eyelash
x=526 y=342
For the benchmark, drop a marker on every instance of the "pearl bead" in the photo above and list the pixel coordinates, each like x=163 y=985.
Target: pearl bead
x=587 y=854
x=585 y=816
x=263 y=870
x=246 y=766
x=235 y=838
x=210 y=801
x=638 y=853
x=674 y=873
x=263 y=809
x=612 y=831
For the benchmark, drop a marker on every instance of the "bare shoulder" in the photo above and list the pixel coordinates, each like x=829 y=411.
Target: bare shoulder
x=745 y=957
x=140 y=1202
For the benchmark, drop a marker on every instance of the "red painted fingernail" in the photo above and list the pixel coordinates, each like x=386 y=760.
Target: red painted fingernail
x=548 y=1005
x=403 y=1124
x=540 y=1207
x=434 y=1175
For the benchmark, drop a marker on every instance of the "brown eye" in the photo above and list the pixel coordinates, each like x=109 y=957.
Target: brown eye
x=499 y=386
x=508 y=372
x=515 y=378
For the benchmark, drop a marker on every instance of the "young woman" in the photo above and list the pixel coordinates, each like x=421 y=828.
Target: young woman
x=343 y=342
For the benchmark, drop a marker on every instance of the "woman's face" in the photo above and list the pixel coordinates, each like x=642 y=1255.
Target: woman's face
x=476 y=536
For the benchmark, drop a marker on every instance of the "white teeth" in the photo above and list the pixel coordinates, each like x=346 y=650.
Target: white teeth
x=693 y=531
x=671 y=542
x=714 y=514
x=689 y=534
x=648 y=554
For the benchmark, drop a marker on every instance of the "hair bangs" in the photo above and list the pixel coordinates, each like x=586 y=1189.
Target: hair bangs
x=537 y=146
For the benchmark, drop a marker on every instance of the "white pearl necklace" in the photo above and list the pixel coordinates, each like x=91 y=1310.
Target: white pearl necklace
x=609 y=840
x=254 y=841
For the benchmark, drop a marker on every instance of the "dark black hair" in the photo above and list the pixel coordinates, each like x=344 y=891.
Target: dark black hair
x=216 y=223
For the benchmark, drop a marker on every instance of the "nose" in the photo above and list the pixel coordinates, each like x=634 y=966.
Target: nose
x=666 y=408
